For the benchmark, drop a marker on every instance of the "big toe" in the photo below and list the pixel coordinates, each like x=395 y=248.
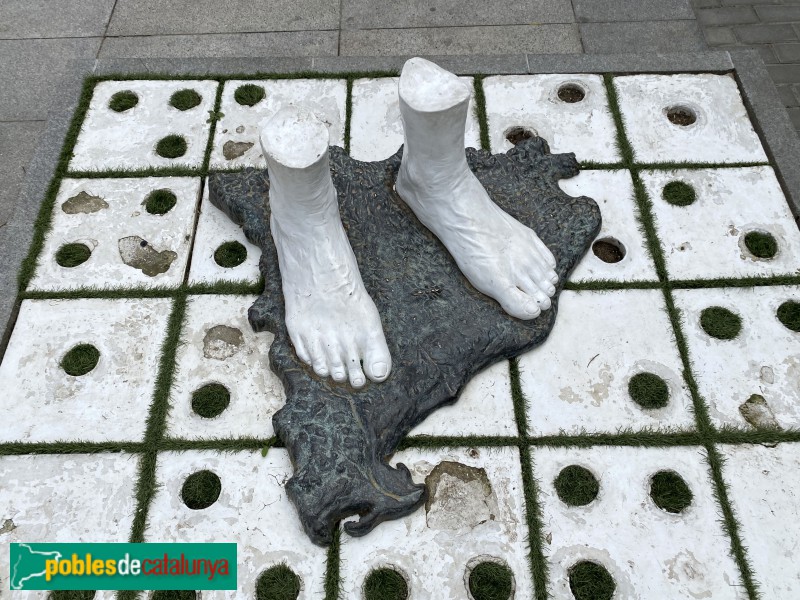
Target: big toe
x=377 y=360
x=519 y=304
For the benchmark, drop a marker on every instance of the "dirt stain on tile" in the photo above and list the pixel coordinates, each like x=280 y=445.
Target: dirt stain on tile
x=459 y=497
x=231 y=150
x=758 y=413
x=222 y=342
x=83 y=203
x=136 y=252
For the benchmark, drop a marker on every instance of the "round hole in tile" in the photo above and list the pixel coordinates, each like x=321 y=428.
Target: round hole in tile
x=72 y=255
x=385 y=583
x=490 y=580
x=681 y=115
x=278 y=583
x=518 y=134
x=609 y=250
x=589 y=580
x=679 y=193
x=160 y=202
x=249 y=94
x=201 y=489
x=171 y=146
x=669 y=492
x=789 y=314
x=185 y=99
x=174 y=595
x=122 y=101
x=720 y=323
x=210 y=400
x=761 y=244
x=648 y=390
x=80 y=360
x=571 y=93
x=576 y=486
x=230 y=254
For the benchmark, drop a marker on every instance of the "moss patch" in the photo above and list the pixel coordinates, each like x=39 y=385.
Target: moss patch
x=576 y=486
x=72 y=255
x=669 y=492
x=789 y=315
x=201 y=490
x=210 y=400
x=80 y=360
x=278 y=583
x=172 y=146
x=249 y=94
x=185 y=99
x=491 y=581
x=720 y=323
x=174 y=595
x=160 y=202
x=230 y=254
x=761 y=244
x=648 y=390
x=590 y=581
x=71 y=595
x=385 y=584
x=679 y=193
x=122 y=101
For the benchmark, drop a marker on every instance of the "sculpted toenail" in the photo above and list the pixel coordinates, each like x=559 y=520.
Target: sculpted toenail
x=380 y=369
x=358 y=382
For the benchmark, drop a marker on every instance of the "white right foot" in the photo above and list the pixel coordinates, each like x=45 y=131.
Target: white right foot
x=331 y=319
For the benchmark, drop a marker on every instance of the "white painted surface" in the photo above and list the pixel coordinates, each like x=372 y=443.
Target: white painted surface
x=214 y=228
x=613 y=192
x=765 y=495
x=376 y=128
x=722 y=132
x=65 y=498
x=256 y=392
x=252 y=510
x=242 y=124
x=433 y=553
x=705 y=240
x=578 y=379
x=127 y=140
x=531 y=101
x=41 y=403
x=649 y=552
x=764 y=359
x=101 y=231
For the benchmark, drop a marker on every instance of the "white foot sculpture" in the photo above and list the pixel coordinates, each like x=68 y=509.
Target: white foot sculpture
x=331 y=320
x=498 y=255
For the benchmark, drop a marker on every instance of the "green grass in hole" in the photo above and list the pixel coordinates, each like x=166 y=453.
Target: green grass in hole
x=648 y=390
x=278 y=583
x=71 y=595
x=576 y=486
x=789 y=315
x=201 y=490
x=491 y=581
x=249 y=94
x=230 y=254
x=385 y=584
x=670 y=492
x=679 y=193
x=172 y=146
x=185 y=99
x=72 y=255
x=210 y=400
x=160 y=202
x=720 y=323
x=590 y=581
x=80 y=360
x=174 y=595
x=761 y=244
x=122 y=101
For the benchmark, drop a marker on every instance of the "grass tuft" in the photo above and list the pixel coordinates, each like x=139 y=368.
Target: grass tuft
x=122 y=101
x=185 y=99
x=230 y=254
x=590 y=581
x=479 y=103
x=679 y=193
x=789 y=314
x=160 y=202
x=210 y=400
x=249 y=94
x=278 y=583
x=71 y=595
x=648 y=390
x=491 y=581
x=761 y=244
x=72 y=255
x=201 y=489
x=385 y=584
x=171 y=146
x=720 y=323
x=174 y=595
x=669 y=492
x=576 y=486
x=80 y=360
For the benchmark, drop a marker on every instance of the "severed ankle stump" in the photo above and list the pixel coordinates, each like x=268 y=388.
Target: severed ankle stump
x=440 y=330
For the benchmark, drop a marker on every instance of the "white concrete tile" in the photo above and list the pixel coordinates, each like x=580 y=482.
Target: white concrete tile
x=103 y=230
x=578 y=379
x=531 y=101
x=256 y=393
x=214 y=228
x=764 y=493
x=252 y=510
x=764 y=359
x=44 y=404
x=613 y=192
x=241 y=125
x=722 y=132
x=127 y=140
x=485 y=407
x=649 y=552
x=465 y=521
x=705 y=240
x=65 y=498
x=376 y=127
